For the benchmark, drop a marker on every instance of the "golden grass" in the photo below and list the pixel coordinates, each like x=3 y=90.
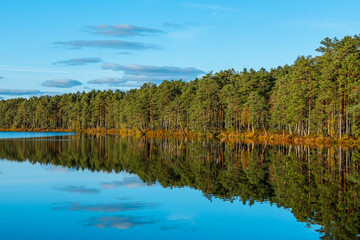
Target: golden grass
x=249 y=137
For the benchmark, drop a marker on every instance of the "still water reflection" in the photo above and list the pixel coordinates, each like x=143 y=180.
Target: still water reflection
x=75 y=187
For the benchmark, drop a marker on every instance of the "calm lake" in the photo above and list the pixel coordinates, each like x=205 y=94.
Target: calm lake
x=83 y=187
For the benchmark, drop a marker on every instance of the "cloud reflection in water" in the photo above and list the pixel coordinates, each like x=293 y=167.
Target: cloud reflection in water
x=119 y=222
x=129 y=182
x=78 y=189
x=105 y=208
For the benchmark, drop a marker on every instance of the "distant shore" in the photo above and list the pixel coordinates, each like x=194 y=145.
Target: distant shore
x=261 y=137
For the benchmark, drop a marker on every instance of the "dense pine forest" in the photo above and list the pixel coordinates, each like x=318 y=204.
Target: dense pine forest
x=317 y=96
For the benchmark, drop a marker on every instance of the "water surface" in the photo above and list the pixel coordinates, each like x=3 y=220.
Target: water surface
x=32 y=134
x=80 y=187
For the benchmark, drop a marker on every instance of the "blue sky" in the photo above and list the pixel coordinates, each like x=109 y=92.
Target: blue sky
x=50 y=47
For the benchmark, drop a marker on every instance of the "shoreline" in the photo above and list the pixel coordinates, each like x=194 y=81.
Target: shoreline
x=272 y=138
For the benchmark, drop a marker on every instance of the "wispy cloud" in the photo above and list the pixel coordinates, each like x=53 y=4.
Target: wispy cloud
x=179 y=26
x=78 y=189
x=124 y=53
x=122 y=30
x=129 y=81
x=70 y=71
x=8 y=68
x=210 y=7
x=136 y=69
x=190 y=30
x=112 y=44
x=107 y=81
x=129 y=182
x=171 y=25
x=78 y=61
x=19 y=92
x=147 y=78
x=61 y=83
x=135 y=75
x=12 y=93
x=125 y=82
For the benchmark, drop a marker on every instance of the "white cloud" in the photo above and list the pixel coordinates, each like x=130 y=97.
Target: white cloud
x=136 y=69
x=112 y=44
x=79 y=61
x=61 y=83
x=122 y=30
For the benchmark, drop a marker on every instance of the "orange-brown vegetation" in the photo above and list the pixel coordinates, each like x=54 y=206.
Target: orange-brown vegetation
x=256 y=136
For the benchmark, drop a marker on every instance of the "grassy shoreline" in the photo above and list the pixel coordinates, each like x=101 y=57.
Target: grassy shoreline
x=270 y=137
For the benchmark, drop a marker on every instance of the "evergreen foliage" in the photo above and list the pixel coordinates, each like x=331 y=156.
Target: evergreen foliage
x=314 y=96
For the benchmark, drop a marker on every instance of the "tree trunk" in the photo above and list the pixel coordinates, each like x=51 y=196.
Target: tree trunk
x=264 y=129
x=340 y=124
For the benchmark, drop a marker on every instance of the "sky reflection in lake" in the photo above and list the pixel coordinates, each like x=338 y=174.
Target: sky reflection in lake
x=95 y=205
x=32 y=134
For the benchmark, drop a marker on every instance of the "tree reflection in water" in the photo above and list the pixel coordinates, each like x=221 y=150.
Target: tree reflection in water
x=319 y=185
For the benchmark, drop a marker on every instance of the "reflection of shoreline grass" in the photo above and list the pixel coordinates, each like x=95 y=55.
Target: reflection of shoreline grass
x=35 y=130
x=318 y=185
x=261 y=137
x=277 y=138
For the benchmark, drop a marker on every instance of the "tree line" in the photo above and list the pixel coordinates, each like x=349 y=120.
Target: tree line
x=314 y=96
